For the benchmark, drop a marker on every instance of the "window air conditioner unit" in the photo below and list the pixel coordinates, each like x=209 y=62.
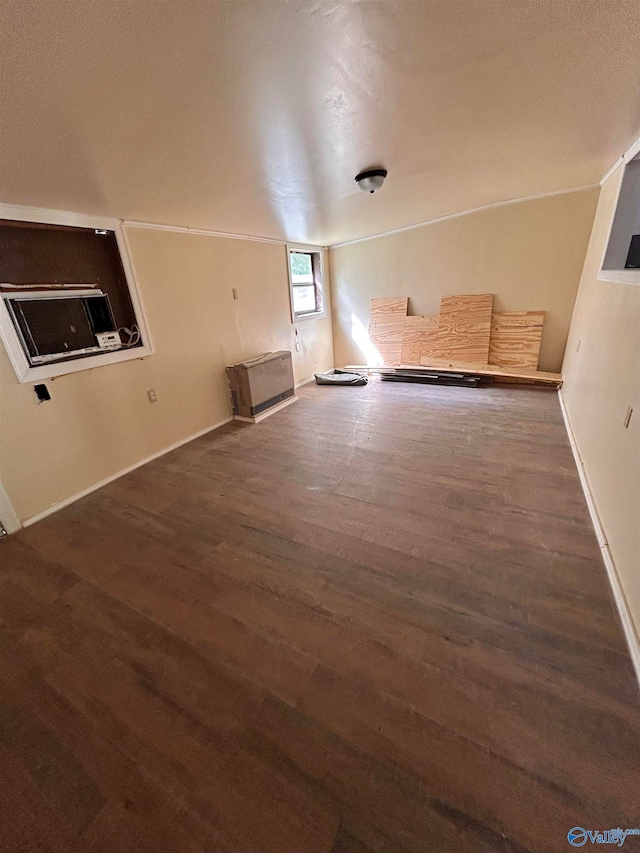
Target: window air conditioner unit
x=54 y=324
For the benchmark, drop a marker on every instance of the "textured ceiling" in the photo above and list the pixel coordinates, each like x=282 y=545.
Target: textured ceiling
x=254 y=117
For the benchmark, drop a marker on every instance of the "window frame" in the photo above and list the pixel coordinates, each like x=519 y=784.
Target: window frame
x=311 y=250
x=24 y=371
x=618 y=276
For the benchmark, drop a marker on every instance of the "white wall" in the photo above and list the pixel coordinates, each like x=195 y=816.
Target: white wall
x=100 y=421
x=529 y=254
x=601 y=380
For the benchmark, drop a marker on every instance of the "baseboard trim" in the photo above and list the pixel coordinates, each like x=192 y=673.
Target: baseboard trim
x=8 y=515
x=628 y=625
x=11 y=520
x=67 y=501
x=305 y=382
x=268 y=413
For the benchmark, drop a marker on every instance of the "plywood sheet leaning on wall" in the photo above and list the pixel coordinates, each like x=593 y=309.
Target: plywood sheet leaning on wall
x=418 y=338
x=465 y=336
x=386 y=327
x=464 y=328
x=384 y=311
x=515 y=339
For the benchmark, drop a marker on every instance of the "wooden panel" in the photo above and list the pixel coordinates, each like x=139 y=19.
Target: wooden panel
x=534 y=376
x=385 y=310
x=418 y=338
x=390 y=352
x=387 y=339
x=515 y=339
x=386 y=325
x=464 y=328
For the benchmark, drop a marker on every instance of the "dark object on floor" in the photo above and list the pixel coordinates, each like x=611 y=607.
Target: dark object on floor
x=340 y=377
x=430 y=377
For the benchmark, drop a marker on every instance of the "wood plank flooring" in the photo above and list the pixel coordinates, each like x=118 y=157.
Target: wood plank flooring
x=377 y=621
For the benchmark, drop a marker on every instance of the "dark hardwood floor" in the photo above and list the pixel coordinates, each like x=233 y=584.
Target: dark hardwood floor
x=377 y=621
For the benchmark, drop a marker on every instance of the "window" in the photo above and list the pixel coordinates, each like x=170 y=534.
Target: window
x=305 y=273
x=68 y=299
x=621 y=262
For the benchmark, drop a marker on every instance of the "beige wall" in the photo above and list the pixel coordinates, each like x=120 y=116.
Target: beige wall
x=529 y=254
x=100 y=421
x=601 y=379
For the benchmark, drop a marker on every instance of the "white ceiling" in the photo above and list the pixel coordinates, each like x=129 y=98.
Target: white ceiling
x=254 y=116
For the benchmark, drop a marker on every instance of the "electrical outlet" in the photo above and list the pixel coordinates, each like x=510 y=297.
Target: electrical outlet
x=235 y=292
x=42 y=393
x=151 y=394
x=627 y=417
x=578 y=346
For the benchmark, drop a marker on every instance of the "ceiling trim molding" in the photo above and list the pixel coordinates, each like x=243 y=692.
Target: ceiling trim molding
x=28 y=213
x=463 y=213
x=202 y=232
x=628 y=155
x=619 y=162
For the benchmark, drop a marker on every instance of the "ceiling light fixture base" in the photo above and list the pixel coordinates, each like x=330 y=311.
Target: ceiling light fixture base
x=371 y=180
